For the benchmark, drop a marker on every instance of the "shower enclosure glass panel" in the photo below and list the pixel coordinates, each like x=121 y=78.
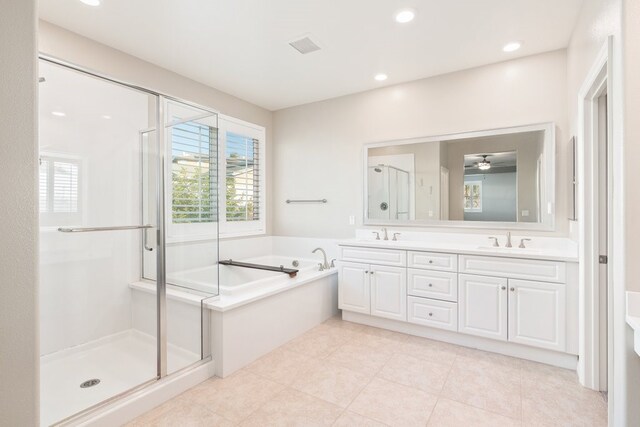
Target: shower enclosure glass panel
x=388 y=192
x=191 y=218
x=92 y=235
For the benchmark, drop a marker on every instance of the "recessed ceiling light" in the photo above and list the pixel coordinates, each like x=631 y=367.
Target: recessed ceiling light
x=107 y=117
x=58 y=113
x=380 y=77
x=405 y=15
x=512 y=47
x=91 y=2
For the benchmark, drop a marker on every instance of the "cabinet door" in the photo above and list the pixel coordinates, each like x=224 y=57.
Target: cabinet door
x=353 y=287
x=537 y=314
x=482 y=306
x=389 y=292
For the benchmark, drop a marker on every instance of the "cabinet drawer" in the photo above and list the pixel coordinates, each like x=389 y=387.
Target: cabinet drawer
x=391 y=257
x=514 y=268
x=433 y=284
x=433 y=313
x=433 y=261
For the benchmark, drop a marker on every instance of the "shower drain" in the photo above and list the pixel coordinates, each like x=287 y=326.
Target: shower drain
x=90 y=383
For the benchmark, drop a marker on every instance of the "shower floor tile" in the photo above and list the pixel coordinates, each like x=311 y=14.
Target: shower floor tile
x=121 y=362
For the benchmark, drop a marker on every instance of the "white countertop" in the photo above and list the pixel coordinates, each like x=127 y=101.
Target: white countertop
x=546 y=249
x=633 y=317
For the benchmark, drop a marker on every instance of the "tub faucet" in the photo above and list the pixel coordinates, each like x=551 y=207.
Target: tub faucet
x=325 y=264
x=508 y=244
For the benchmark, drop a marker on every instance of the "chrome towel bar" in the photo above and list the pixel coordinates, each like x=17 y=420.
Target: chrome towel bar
x=89 y=229
x=307 y=201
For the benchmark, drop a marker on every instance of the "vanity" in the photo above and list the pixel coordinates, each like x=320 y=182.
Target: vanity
x=516 y=302
x=517 y=295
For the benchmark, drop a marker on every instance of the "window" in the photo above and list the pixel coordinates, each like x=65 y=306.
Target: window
x=473 y=196
x=242 y=178
x=238 y=204
x=193 y=173
x=59 y=198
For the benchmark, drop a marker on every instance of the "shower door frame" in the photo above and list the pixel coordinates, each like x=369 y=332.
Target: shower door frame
x=161 y=279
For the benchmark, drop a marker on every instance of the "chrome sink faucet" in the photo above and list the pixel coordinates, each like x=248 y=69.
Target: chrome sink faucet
x=325 y=264
x=508 y=244
x=384 y=231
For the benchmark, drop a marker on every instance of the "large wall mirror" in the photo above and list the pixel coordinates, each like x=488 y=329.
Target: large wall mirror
x=500 y=178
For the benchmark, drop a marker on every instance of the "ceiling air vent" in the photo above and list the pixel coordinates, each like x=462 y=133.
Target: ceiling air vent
x=304 y=45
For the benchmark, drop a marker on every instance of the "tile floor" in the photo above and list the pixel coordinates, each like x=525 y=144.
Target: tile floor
x=344 y=374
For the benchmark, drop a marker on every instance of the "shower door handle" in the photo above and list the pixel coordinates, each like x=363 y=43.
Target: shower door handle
x=145 y=245
x=91 y=229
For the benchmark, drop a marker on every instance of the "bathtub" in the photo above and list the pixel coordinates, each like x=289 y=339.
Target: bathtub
x=235 y=280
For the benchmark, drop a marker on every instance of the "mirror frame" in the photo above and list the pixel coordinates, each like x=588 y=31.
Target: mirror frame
x=548 y=204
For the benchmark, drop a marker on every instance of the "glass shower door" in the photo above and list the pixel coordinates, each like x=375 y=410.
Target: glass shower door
x=92 y=237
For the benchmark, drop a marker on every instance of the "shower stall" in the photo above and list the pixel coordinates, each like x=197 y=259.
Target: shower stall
x=389 y=192
x=125 y=175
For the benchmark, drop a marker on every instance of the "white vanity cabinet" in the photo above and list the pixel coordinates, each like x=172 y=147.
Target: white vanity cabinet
x=483 y=306
x=514 y=300
x=378 y=290
x=537 y=314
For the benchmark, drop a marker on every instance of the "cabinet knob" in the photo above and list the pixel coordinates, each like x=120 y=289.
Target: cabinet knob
x=430 y=285
x=371 y=272
x=366 y=272
x=430 y=314
x=504 y=287
x=513 y=289
x=430 y=261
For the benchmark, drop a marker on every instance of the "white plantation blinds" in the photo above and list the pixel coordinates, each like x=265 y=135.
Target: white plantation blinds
x=194 y=173
x=59 y=185
x=242 y=159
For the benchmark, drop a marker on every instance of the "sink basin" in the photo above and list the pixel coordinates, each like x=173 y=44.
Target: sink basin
x=509 y=250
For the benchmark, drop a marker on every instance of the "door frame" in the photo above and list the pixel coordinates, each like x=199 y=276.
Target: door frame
x=597 y=83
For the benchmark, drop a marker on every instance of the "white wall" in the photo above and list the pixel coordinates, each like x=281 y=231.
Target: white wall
x=318 y=147
x=598 y=20
x=18 y=228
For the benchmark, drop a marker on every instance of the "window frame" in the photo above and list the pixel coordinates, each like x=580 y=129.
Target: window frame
x=51 y=218
x=477 y=183
x=241 y=228
x=188 y=232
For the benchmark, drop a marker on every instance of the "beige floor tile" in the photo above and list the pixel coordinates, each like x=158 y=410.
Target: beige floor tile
x=385 y=333
x=360 y=358
x=320 y=341
x=554 y=402
x=413 y=372
x=394 y=404
x=485 y=360
x=234 y=397
x=333 y=383
x=433 y=351
x=337 y=322
x=350 y=419
x=449 y=413
x=180 y=412
x=534 y=371
x=379 y=343
x=292 y=408
x=283 y=366
x=476 y=384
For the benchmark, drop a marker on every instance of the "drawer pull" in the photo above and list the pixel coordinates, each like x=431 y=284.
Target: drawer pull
x=430 y=261
x=431 y=285
x=504 y=288
x=366 y=272
x=430 y=314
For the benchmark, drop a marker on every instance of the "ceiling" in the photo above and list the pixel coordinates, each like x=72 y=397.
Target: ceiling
x=241 y=46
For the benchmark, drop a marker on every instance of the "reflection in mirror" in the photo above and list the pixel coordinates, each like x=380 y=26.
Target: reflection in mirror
x=493 y=176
